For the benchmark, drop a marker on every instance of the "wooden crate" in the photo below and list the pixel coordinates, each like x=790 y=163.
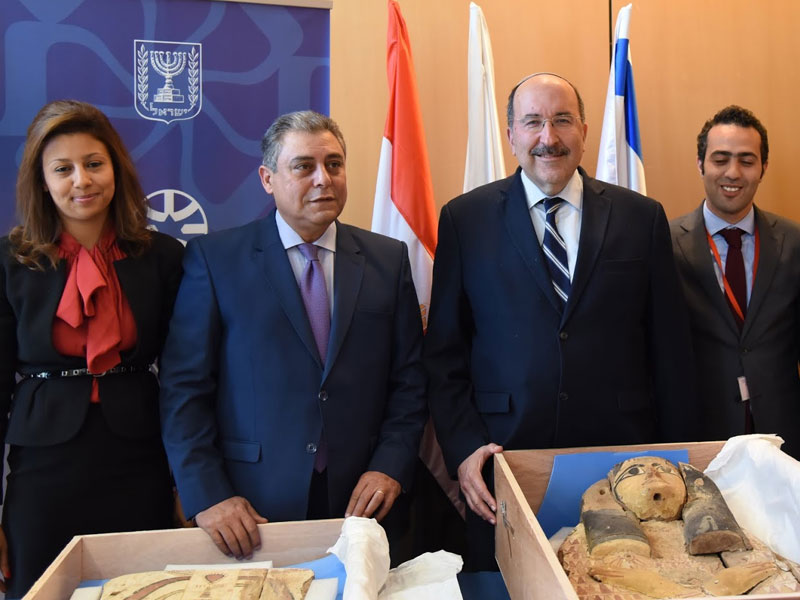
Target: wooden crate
x=103 y=556
x=529 y=565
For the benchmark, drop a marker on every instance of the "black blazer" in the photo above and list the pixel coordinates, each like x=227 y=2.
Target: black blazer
x=506 y=366
x=43 y=412
x=766 y=351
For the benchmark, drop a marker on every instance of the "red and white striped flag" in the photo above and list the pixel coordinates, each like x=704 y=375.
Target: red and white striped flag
x=404 y=206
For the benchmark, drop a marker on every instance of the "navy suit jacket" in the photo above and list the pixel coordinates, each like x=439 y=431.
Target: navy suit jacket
x=244 y=394
x=766 y=351
x=506 y=366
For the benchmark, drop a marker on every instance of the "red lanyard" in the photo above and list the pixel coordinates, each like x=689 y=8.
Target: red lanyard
x=726 y=285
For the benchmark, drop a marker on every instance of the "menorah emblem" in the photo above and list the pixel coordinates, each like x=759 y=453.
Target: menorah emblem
x=168 y=65
x=180 y=65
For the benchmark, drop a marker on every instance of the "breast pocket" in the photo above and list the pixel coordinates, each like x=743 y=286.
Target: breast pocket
x=621 y=278
x=622 y=265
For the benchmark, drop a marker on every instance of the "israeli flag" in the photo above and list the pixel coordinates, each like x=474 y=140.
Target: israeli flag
x=620 y=158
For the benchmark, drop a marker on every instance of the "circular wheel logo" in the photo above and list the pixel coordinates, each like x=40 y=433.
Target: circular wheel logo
x=177 y=214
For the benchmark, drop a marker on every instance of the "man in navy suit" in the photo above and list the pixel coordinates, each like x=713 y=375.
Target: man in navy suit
x=517 y=359
x=747 y=354
x=263 y=416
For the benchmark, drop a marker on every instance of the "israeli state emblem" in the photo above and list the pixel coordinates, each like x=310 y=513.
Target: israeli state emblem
x=168 y=78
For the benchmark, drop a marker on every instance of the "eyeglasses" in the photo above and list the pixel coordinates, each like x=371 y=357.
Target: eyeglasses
x=561 y=122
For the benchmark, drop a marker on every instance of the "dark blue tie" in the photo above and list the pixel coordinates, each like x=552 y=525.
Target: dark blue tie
x=556 y=251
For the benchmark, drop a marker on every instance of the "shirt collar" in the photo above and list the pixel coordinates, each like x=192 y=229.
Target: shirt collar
x=572 y=192
x=290 y=238
x=715 y=224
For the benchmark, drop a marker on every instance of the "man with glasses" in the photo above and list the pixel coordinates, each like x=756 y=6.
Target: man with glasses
x=740 y=269
x=556 y=314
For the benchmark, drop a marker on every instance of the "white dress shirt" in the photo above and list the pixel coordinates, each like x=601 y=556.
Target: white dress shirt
x=568 y=215
x=327 y=252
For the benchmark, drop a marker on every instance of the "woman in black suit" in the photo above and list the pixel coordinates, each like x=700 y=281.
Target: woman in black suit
x=86 y=293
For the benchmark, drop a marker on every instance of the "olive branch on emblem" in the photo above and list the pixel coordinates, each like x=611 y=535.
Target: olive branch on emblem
x=193 y=78
x=141 y=75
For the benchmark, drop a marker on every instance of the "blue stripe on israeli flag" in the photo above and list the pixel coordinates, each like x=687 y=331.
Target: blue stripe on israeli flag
x=620 y=158
x=624 y=87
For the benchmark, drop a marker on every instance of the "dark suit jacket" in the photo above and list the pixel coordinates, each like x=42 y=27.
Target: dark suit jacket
x=505 y=366
x=244 y=395
x=44 y=412
x=766 y=351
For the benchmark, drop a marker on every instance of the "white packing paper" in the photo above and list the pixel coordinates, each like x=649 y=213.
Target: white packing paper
x=364 y=551
x=250 y=564
x=323 y=589
x=761 y=485
x=87 y=593
x=430 y=576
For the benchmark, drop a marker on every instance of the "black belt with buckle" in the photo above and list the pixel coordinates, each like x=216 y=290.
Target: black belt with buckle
x=85 y=372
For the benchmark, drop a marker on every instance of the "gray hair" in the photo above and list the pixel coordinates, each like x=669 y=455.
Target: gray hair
x=510 y=106
x=303 y=120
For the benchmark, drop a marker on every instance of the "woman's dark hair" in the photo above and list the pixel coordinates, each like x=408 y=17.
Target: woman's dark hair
x=35 y=240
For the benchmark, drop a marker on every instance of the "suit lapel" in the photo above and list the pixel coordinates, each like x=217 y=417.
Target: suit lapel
x=48 y=287
x=523 y=236
x=595 y=211
x=348 y=273
x=770 y=246
x=134 y=289
x=693 y=243
x=268 y=251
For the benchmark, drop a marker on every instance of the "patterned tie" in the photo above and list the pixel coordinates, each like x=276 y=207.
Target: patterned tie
x=556 y=251
x=315 y=298
x=734 y=271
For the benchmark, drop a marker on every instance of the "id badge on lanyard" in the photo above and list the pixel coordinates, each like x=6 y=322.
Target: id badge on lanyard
x=744 y=391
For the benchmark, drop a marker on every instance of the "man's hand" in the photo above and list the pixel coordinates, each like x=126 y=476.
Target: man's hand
x=374 y=491
x=472 y=485
x=232 y=526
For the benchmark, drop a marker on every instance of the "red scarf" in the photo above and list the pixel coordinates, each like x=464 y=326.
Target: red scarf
x=93 y=317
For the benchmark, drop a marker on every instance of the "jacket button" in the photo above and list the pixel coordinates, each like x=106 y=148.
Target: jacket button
x=311 y=448
x=323 y=395
x=563 y=335
x=563 y=396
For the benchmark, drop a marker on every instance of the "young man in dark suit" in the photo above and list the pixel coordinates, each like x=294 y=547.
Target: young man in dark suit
x=740 y=270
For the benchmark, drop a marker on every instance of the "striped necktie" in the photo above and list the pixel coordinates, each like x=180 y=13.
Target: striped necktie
x=556 y=251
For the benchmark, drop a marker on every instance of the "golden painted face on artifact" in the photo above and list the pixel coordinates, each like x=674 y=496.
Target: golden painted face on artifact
x=650 y=487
